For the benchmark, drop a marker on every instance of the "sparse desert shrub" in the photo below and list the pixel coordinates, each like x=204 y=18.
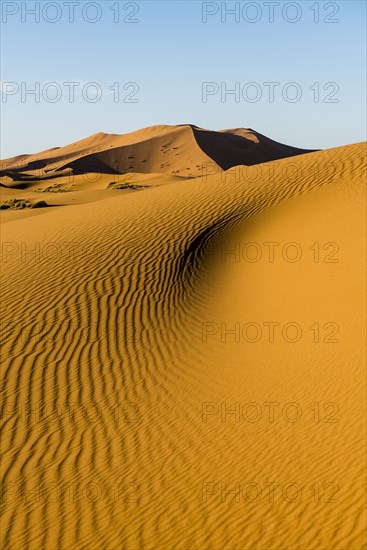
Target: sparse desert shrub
x=125 y=185
x=20 y=204
x=56 y=188
x=39 y=204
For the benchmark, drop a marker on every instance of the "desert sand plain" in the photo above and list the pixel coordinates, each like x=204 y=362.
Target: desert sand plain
x=182 y=344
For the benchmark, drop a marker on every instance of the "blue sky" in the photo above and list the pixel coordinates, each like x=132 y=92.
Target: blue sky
x=168 y=54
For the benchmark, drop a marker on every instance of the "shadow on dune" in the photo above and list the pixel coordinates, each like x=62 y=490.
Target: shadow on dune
x=229 y=150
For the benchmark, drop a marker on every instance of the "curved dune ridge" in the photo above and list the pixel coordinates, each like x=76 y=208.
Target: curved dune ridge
x=184 y=151
x=114 y=348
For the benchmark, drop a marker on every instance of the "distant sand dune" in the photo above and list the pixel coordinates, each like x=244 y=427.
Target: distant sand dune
x=184 y=151
x=115 y=323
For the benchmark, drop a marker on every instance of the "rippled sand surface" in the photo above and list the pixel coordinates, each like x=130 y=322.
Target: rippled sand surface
x=183 y=367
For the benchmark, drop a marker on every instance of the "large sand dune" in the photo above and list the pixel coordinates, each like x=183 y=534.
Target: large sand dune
x=131 y=323
x=184 y=151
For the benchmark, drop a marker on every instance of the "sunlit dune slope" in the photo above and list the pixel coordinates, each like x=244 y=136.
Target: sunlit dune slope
x=120 y=347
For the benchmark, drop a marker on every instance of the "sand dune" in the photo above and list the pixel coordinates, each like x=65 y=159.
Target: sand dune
x=128 y=329
x=184 y=151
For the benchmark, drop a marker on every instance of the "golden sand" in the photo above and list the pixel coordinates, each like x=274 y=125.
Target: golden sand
x=183 y=365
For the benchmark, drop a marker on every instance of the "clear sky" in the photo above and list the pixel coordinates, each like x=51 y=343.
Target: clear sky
x=171 y=52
